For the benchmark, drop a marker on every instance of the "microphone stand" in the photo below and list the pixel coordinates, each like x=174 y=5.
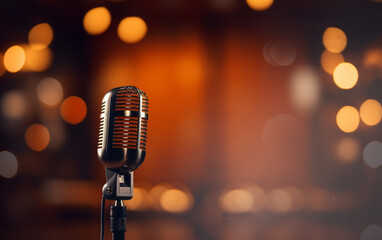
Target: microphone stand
x=118 y=187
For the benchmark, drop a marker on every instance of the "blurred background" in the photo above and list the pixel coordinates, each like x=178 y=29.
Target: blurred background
x=264 y=117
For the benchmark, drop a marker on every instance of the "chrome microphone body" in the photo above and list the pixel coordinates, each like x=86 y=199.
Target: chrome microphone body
x=123 y=129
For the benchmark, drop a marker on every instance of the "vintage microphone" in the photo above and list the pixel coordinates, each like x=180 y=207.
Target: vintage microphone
x=122 y=149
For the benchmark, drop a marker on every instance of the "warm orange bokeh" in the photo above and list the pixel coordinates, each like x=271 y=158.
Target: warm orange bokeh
x=37 y=137
x=40 y=36
x=73 y=110
x=97 y=20
x=132 y=29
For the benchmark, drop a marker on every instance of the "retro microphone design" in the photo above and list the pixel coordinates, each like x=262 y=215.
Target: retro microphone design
x=121 y=148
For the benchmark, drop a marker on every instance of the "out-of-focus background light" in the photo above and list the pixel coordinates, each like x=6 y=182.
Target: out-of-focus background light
x=37 y=59
x=259 y=5
x=372 y=154
x=14 y=59
x=348 y=119
x=40 y=36
x=132 y=29
x=8 y=164
x=334 y=40
x=345 y=75
x=279 y=200
x=50 y=92
x=371 y=232
x=73 y=110
x=140 y=201
x=348 y=149
x=236 y=201
x=97 y=20
x=37 y=137
x=305 y=89
x=2 y=69
x=330 y=60
x=176 y=200
x=371 y=112
x=14 y=104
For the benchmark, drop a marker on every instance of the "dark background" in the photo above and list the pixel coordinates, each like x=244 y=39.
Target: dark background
x=221 y=118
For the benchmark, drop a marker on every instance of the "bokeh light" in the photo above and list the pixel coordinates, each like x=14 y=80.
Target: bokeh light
x=2 y=68
x=334 y=40
x=371 y=232
x=40 y=36
x=132 y=29
x=371 y=112
x=37 y=60
x=348 y=119
x=176 y=201
x=50 y=92
x=305 y=89
x=283 y=53
x=37 y=137
x=155 y=195
x=8 y=164
x=372 y=154
x=279 y=201
x=329 y=61
x=259 y=5
x=140 y=201
x=236 y=201
x=73 y=110
x=14 y=104
x=14 y=59
x=345 y=75
x=348 y=149
x=97 y=20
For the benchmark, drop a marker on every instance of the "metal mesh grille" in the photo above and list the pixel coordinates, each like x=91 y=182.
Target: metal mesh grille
x=125 y=132
x=101 y=125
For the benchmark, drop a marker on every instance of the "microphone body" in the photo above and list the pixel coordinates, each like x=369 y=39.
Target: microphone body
x=123 y=129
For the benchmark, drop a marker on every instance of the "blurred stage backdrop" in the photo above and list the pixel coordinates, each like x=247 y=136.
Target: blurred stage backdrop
x=264 y=117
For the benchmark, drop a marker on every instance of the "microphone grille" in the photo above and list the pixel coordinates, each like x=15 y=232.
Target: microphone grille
x=101 y=125
x=130 y=131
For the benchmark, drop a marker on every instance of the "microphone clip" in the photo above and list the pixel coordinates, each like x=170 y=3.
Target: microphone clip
x=118 y=186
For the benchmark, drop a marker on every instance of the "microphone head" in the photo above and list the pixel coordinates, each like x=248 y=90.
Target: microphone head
x=123 y=129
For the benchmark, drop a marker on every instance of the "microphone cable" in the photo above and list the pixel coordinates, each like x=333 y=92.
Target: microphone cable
x=102 y=215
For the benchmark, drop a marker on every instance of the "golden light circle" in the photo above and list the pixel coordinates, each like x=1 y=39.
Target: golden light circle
x=345 y=75
x=371 y=112
x=37 y=60
x=132 y=29
x=50 y=92
x=259 y=5
x=279 y=200
x=329 y=61
x=334 y=40
x=348 y=149
x=347 y=119
x=237 y=201
x=37 y=137
x=14 y=59
x=40 y=36
x=97 y=20
x=73 y=110
x=175 y=200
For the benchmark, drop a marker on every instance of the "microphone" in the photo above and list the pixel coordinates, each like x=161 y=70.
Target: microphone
x=123 y=129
